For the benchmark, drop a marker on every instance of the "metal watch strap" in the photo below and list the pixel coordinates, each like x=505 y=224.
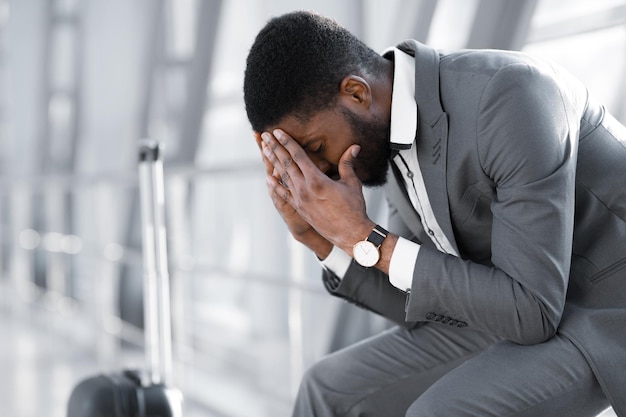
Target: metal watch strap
x=377 y=236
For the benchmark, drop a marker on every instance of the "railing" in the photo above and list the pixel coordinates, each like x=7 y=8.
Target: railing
x=249 y=310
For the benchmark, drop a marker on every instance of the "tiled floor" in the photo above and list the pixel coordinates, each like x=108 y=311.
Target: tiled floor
x=39 y=367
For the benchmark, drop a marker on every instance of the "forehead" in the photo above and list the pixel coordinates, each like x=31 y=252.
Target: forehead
x=313 y=127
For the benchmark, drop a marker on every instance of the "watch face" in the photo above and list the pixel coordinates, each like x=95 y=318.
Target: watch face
x=365 y=253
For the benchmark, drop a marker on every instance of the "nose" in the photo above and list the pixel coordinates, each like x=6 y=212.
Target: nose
x=325 y=166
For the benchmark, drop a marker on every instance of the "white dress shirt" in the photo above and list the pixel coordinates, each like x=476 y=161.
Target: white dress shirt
x=402 y=137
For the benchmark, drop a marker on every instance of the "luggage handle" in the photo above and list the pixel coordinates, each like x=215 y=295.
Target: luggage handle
x=157 y=318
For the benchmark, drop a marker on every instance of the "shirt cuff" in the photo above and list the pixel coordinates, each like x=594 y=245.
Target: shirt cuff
x=337 y=262
x=402 y=264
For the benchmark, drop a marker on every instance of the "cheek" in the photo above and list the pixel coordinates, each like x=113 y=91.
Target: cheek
x=338 y=151
x=330 y=156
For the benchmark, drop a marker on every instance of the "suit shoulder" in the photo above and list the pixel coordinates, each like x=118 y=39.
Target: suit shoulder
x=488 y=62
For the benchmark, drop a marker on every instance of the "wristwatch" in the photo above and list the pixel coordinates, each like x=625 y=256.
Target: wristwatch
x=366 y=252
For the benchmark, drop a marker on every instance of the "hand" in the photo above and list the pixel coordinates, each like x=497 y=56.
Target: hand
x=299 y=228
x=335 y=209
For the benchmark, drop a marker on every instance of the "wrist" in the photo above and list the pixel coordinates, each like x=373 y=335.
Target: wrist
x=357 y=234
x=367 y=252
x=320 y=246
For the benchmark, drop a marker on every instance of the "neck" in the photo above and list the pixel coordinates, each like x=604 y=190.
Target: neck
x=382 y=89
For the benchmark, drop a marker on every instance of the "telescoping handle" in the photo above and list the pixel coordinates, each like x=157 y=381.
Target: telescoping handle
x=157 y=318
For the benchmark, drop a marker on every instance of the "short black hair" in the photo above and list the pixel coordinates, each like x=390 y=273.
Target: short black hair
x=296 y=64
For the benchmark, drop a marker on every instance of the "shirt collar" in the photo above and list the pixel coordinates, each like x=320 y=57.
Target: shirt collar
x=403 y=106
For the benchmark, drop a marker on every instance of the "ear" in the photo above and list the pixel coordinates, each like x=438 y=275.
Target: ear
x=355 y=90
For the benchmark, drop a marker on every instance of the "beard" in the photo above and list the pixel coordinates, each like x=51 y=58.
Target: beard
x=372 y=164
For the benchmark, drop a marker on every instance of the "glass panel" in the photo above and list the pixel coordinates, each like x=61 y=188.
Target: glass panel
x=555 y=10
x=181 y=15
x=63 y=74
x=452 y=23
x=581 y=54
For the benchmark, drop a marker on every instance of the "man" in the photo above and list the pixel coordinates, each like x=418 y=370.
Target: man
x=504 y=256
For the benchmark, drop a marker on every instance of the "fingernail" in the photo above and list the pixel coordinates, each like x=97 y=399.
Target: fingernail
x=355 y=151
x=266 y=137
x=278 y=133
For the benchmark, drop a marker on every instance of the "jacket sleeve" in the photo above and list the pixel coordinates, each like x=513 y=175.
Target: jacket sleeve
x=527 y=149
x=370 y=288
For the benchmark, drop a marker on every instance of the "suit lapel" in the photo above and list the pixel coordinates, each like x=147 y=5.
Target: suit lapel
x=397 y=193
x=432 y=141
x=432 y=147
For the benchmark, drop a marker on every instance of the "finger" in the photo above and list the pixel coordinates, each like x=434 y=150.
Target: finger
x=284 y=167
x=275 y=180
x=268 y=149
x=282 y=179
x=279 y=194
x=298 y=155
x=275 y=153
x=293 y=158
x=346 y=165
x=269 y=168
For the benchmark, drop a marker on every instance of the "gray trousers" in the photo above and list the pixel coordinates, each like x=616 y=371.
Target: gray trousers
x=440 y=371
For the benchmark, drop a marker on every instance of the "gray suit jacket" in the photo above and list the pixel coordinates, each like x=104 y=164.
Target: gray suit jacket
x=527 y=178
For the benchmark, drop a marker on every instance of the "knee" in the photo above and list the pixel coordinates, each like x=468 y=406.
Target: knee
x=434 y=405
x=316 y=395
x=318 y=377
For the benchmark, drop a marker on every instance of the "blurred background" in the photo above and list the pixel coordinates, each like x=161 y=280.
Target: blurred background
x=81 y=81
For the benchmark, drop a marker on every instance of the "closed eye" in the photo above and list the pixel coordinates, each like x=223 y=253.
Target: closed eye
x=319 y=148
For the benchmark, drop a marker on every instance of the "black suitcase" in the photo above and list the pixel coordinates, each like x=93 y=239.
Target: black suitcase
x=135 y=393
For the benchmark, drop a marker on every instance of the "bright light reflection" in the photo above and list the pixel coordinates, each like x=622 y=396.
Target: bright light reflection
x=71 y=244
x=53 y=241
x=29 y=239
x=113 y=252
